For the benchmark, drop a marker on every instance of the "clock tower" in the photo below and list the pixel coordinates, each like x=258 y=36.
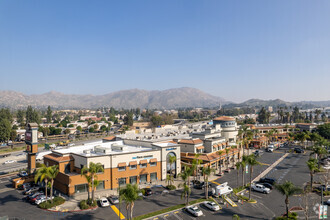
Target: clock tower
x=31 y=140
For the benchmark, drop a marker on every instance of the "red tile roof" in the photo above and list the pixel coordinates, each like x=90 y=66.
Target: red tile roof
x=190 y=141
x=110 y=138
x=224 y=118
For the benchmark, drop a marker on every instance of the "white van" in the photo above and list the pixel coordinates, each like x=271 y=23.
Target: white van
x=222 y=189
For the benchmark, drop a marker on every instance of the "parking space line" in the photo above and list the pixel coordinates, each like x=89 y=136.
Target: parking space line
x=155 y=218
x=265 y=164
x=114 y=208
x=176 y=212
x=215 y=182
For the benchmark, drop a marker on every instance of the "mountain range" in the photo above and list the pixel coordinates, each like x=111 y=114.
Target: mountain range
x=137 y=98
x=133 y=98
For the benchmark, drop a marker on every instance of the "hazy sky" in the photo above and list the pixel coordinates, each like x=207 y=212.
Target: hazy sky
x=229 y=48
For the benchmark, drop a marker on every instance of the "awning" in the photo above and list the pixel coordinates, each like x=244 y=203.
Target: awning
x=132 y=163
x=200 y=147
x=122 y=164
x=143 y=161
x=153 y=160
x=215 y=146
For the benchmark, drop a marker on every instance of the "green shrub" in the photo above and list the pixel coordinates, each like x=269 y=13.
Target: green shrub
x=292 y=216
x=171 y=187
x=238 y=189
x=86 y=204
x=326 y=193
x=48 y=204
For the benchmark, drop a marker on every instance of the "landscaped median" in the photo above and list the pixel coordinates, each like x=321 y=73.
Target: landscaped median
x=169 y=209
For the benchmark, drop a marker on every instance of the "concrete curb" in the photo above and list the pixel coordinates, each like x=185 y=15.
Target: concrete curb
x=264 y=173
x=81 y=210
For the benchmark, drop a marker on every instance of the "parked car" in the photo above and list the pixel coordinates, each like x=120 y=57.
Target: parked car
x=194 y=210
x=31 y=190
x=260 y=188
x=272 y=181
x=35 y=198
x=202 y=185
x=147 y=192
x=270 y=149
x=268 y=185
x=298 y=150
x=25 y=186
x=42 y=199
x=328 y=202
x=23 y=173
x=114 y=199
x=258 y=153
x=10 y=161
x=29 y=197
x=211 y=205
x=104 y=202
x=323 y=187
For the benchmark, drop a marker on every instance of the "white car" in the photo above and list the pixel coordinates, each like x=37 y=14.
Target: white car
x=42 y=199
x=23 y=173
x=10 y=161
x=260 y=188
x=194 y=210
x=114 y=199
x=211 y=205
x=104 y=202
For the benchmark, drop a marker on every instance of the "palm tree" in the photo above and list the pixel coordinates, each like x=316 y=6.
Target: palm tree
x=233 y=147
x=42 y=174
x=238 y=165
x=53 y=171
x=93 y=169
x=220 y=153
x=169 y=179
x=130 y=194
x=186 y=193
x=185 y=176
x=227 y=158
x=197 y=162
x=243 y=166
x=172 y=160
x=206 y=173
x=251 y=160
x=287 y=189
x=312 y=166
x=89 y=183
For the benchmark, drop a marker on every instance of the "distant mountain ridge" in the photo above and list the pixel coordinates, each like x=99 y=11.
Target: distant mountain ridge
x=133 y=98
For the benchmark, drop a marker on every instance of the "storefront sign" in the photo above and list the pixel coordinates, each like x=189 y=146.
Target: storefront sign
x=145 y=157
x=173 y=148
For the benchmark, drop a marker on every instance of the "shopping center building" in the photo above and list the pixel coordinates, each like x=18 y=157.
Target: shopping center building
x=124 y=161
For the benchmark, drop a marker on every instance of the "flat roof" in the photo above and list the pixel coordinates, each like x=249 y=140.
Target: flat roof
x=111 y=148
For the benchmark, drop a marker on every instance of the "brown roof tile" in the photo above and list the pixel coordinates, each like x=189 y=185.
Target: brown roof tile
x=224 y=118
x=191 y=141
x=58 y=158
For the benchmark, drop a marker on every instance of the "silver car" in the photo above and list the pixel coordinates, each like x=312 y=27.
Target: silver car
x=194 y=210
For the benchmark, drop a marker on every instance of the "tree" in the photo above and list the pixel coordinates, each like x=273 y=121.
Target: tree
x=79 y=128
x=92 y=170
x=20 y=117
x=263 y=116
x=287 y=189
x=5 y=129
x=52 y=173
x=243 y=166
x=220 y=153
x=13 y=135
x=324 y=130
x=251 y=161
x=312 y=166
x=172 y=160
x=103 y=128
x=130 y=194
x=206 y=173
x=196 y=163
x=89 y=184
x=227 y=157
x=156 y=121
x=49 y=115
x=238 y=166
x=42 y=174
x=185 y=176
x=128 y=120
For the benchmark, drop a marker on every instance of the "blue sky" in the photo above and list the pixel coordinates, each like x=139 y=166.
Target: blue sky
x=235 y=49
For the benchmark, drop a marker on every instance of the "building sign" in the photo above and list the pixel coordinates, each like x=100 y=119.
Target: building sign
x=28 y=136
x=143 y=157
x=172 y=148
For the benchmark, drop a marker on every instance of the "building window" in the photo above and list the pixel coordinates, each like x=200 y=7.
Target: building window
x=122 y=181
x=143 y=165
x=153 y=176
x=133 y=180
x=81 y=166
x=143 y=178
x=153 y=164
x=132 y=167
x=80 y=188
x=101 y=185
x=121 y=168
x=67 y=168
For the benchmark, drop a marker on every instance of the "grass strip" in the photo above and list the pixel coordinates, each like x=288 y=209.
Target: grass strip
x=169 y=209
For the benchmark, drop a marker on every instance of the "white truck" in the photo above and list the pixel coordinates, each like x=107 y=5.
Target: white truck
x=222 y=189
x=40 y=155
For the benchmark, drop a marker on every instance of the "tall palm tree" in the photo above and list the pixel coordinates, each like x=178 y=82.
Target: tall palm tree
x=89 y=184
x=52 y=173
x=186 y=193
x=91 y=171
x=220 y=153
x=130 y=194
x=287 y=189
x=172 y=160
x=227 y=158
x=185 y=176
x=233 y=147
x=197 y=162
x=206 y=173
x=42 y=174
x=251 y=160
x=238 y=165
x=243 y=166
x=312 y=166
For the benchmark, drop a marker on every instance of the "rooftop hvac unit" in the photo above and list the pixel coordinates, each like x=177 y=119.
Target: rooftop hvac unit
x=87 y=151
